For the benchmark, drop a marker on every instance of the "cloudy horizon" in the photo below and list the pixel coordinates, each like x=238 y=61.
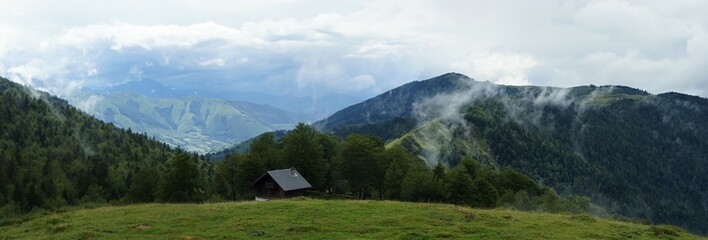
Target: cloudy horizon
x=360 y=48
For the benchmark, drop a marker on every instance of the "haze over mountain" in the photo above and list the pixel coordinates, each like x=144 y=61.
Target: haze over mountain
x=634 y=153
x=201 y=121
x=194 y=124
x=315 y=107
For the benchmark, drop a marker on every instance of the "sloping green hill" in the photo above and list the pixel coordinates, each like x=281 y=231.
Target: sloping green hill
x=395 y=103
x=324 y=219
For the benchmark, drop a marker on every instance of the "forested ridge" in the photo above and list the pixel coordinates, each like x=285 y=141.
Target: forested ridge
x=634 y=153
x=52 y=154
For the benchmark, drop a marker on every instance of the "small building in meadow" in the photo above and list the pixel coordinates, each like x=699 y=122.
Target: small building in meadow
x=283 y=183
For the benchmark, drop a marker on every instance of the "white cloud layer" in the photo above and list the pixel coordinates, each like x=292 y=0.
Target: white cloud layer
x=309 y=47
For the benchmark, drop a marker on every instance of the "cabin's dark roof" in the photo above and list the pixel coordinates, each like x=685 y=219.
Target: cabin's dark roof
x=287 y=179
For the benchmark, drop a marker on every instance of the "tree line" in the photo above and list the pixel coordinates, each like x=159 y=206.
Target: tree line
x=53 y=155
x=361 y=167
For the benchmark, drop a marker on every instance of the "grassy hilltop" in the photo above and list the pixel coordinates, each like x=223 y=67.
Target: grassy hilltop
x=323 y=219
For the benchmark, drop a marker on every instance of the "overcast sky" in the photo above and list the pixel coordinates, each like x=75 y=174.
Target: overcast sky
x=359 y=47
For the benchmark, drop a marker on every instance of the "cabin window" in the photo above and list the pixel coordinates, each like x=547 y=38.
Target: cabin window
x=269 y=185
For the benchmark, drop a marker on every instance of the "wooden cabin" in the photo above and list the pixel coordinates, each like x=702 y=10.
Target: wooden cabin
x=283 y=183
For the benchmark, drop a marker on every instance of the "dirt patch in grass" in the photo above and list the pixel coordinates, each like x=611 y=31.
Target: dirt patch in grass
x=192 y=238
x=87 y=235
x=141 y=227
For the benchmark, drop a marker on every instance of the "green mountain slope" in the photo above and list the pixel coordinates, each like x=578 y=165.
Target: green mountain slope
x=324 y=219
x=195 y=124
x=634 y=153
x=52 y=154
x=396 y=103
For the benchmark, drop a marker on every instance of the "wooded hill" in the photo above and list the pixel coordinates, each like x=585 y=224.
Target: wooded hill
x=635 y=153
x=52 y=154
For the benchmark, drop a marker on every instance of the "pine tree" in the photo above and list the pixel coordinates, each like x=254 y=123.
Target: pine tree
x=302 y=152
x=265 y=149
x=459 y=187
x=225 y=179
x=394 y=178
x=362 y=165
x=484 y=194
x=144 y=186
x=330 y=149
x=247 y=171
x=181 y=181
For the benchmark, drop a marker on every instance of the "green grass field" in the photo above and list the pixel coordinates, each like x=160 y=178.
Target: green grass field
x=323 y=219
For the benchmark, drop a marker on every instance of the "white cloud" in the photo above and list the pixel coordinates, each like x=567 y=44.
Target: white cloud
x=360 y=82
x=213 y=62
x=508 y=69
x=298 y=46
x=124 y=35
x=92 y=72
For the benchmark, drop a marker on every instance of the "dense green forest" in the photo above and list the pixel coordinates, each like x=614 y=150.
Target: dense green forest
x=52 y=155
x=360 y=166
x=632 y=152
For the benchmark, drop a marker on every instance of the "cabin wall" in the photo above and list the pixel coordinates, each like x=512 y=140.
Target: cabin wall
x=267 y=188
x=295 y=193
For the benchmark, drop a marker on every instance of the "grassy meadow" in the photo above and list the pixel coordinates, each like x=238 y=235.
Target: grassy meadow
x=303 y=218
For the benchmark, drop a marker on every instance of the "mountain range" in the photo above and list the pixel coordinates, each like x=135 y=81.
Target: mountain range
x=316 y=107
x=195 y=124
x=200 y=121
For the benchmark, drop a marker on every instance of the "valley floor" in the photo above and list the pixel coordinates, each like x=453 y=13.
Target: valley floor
x=303 y=218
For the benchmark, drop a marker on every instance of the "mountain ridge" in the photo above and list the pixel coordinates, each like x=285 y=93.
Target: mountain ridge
x=312 y=106
x=623 y=146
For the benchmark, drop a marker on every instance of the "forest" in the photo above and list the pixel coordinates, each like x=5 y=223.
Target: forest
x=359 y=166
x=53 y=155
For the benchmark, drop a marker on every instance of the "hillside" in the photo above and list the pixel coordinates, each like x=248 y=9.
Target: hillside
x=195 y=124
x=52 y=154
x=395 y=103
x=635 y=153
x=323 y=219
